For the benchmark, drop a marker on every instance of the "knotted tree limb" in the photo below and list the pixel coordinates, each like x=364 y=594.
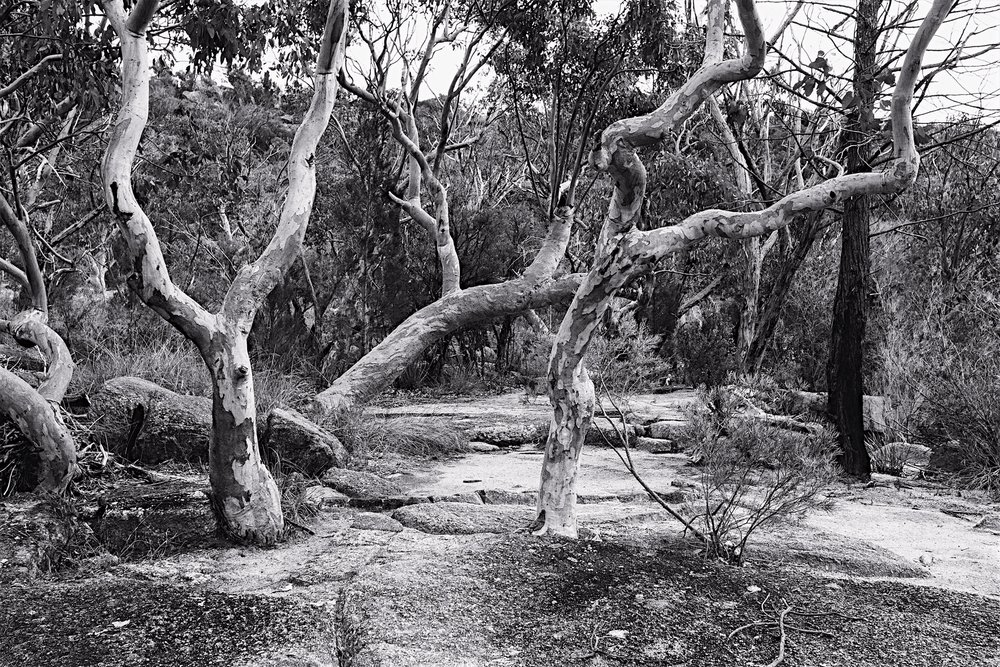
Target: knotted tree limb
x=53 y=465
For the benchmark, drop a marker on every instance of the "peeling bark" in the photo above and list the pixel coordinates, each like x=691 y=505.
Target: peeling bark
x=54 y=458
x=624 y=252
x=244 y=496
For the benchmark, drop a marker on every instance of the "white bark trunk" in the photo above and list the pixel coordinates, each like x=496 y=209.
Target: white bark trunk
x=624 y=252
x=244 y=495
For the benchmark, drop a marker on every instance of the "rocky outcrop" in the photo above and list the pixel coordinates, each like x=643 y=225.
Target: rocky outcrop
x=360 y=484
x=142 y=421
x=293 y=443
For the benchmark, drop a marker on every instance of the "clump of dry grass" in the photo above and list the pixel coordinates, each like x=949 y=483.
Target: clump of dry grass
x=407 y=436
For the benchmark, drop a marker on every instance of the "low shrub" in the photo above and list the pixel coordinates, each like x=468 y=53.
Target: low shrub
x=623 y=359
x=961 y=410
x=752 y=474
x=367 y=436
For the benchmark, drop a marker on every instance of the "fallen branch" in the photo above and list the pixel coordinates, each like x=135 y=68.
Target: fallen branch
x=784 y=638
x=783 y=628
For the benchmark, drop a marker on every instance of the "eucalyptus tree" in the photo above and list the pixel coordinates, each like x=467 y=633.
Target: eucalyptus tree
x=624 y=251
x=244 y=496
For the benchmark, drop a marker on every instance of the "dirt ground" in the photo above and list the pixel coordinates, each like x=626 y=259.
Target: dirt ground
x=892 y=575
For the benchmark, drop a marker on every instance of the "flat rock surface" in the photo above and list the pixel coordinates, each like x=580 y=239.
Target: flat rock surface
x=511 y=410
x=601 y=473
x=464 y=518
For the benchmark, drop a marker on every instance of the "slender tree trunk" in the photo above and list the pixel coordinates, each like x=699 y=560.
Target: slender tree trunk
x=245 y=498
x=774 y=303
x=845 y=372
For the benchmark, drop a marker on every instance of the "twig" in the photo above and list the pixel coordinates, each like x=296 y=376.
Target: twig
x=784 y=638
x=630 y=466
x=300 y=526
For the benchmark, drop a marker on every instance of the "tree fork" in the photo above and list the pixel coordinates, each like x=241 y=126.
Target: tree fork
x=244 y=496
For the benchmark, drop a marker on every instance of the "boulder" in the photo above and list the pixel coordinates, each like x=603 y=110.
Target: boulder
x=602 y=431
x=895 y=457
x=293 y=442
x=665 y=430
x=472 y=498
x=157 y=520
x=500 y=497
x=142 y=421
x=483 y=447
x=464 y=519
x=14 y=357
x=34 y=535
x=877 y=409
x=656 y=445
x=360 y=484
x=507 y=434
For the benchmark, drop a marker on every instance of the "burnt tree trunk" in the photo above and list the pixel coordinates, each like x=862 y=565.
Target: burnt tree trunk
x=845 y=372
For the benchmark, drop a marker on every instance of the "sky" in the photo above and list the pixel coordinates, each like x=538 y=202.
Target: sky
x=973 y=86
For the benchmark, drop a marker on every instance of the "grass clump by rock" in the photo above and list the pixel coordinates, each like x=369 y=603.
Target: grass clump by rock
x=427 y=437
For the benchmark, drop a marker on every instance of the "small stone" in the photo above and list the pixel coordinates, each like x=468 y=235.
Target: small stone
x=483 y=447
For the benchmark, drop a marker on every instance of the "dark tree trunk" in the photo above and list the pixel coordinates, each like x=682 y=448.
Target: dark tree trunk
x=774 y=302
x=845 y=372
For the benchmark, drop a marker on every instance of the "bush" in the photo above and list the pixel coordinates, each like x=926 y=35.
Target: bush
x=622 y=359
x=752 y=474
x=962 y=408
x=703 y=347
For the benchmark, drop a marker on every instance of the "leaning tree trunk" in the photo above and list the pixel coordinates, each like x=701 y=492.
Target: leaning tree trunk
x=455 y=310
x=845 y=372
x=53 y=463
x=624 y=252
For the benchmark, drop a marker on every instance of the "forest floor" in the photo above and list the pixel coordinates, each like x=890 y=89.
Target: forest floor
x=891 y=575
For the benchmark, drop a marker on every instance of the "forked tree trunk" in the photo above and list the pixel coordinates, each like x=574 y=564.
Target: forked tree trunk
x=624 y=252
x=244 y=495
